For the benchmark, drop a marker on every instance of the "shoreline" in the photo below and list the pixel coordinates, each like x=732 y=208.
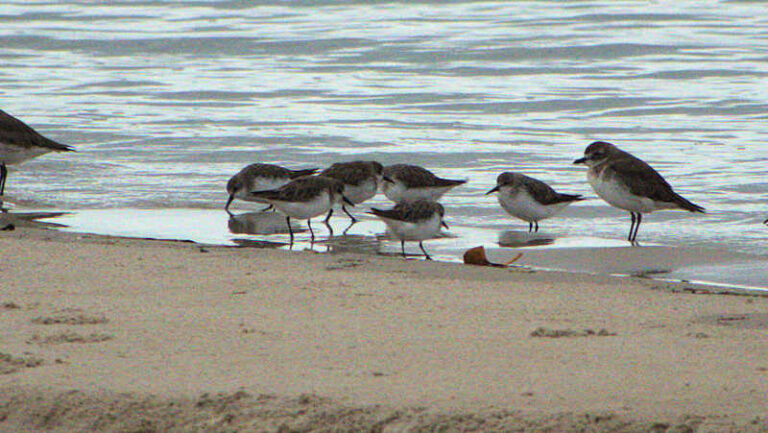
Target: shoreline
x=708 y=265
x=129 y=320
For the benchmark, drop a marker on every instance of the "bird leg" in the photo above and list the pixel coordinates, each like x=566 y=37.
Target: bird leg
x=421 y=245
x=637 y=226
x=290 y=230
x=3 y=175
x=344 y=208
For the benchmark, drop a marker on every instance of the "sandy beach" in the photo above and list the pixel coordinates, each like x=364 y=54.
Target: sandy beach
x=115 y=334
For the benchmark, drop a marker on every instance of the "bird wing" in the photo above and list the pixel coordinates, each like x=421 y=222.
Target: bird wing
x=408 y=211
x=643 y=180
x=14 y=131
x=544 y=193
x=414 y=176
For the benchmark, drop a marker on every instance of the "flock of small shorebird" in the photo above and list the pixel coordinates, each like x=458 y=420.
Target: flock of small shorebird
x=619 y=178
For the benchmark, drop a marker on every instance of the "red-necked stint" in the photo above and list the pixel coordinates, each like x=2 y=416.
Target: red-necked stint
x=411 y=182
x=361 y=181
x=260 y=177
x=530 y=199
x=628 y=183
x=413 y=220
x=305 y=198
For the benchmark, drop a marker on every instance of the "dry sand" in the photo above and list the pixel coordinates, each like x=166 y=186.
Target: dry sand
x=105 y=334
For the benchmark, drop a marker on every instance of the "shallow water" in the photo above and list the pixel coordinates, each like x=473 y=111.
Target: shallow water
x=165 y=100
x=523 y=250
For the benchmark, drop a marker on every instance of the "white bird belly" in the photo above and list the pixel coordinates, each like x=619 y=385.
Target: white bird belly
x=360 y=193
x=618 y=195
x=408 y=231
x=523 y=206
x=305 y=210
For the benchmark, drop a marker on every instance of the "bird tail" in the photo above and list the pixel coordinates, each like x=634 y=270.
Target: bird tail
x=570 y=197
x=382 y=213
x=449 y=182
x=682 y=203
x=304 y=172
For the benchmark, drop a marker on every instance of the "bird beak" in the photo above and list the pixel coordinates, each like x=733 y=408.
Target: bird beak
x=387 y=179
x=229 y=201
x=443 y=223
x=580 y=160
x=346 y=200
x=495 y=188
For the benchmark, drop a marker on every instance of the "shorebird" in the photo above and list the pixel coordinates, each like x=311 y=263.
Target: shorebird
x=628 y=183
x=305 y=198
x=361 y=181
x=411 y=182
x=530 y=199
x=19 y=142
x=413 y=220
x=260 y=177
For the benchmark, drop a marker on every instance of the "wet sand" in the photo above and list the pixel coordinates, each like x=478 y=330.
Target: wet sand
x=114 y=334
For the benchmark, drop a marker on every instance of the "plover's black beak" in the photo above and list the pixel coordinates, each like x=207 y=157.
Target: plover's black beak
x=346 y=200
x=495 y=188
x=444 y=224
x=229 y=201
x=580 y=160
x=765 y=222
x=387 y=179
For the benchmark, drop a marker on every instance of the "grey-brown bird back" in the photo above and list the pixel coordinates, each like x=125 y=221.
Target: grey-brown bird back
x=352 y=173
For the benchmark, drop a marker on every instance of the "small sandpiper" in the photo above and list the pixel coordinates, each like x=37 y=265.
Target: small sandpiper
x=413 y=220
x=361 y=181
x=530 y=199
x=628 y=183
x=411 y=182
x=305 y=198
x=19 y=142
x=260 y=177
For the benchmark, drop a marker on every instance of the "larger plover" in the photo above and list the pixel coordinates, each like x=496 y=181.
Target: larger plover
x=411 y=182
x=305 y=198
x=628 y=183
x=530 y=199
x=19 y=142
x=361 y=181
x=413 y=220
x=260 y=177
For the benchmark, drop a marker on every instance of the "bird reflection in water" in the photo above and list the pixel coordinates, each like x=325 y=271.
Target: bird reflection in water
x=262 y=223
x=520 y=239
